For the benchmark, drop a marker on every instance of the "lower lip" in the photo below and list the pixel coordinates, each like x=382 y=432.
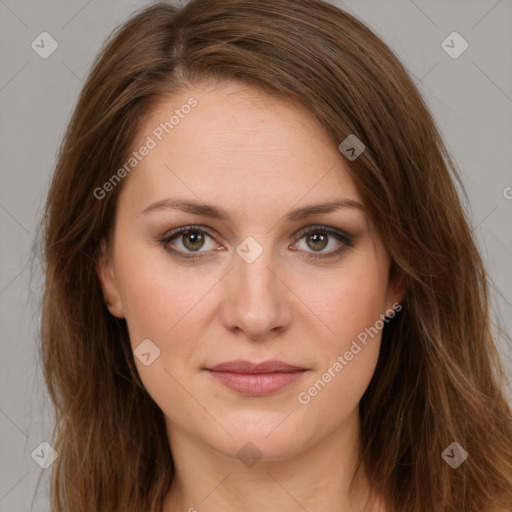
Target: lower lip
x=256 y=384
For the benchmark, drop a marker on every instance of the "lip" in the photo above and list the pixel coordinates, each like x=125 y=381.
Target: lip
x=256 y=379
x=243 y=366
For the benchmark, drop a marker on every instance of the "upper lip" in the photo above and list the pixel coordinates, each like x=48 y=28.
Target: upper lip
x=242 y=366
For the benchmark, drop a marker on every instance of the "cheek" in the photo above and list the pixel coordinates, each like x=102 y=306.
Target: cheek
x=347 y=303
x=346 y=360
x=159 y=299
x=167 y=306
x=349 y=306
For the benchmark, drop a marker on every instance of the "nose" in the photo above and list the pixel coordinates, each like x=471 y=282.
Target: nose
x=256 y=299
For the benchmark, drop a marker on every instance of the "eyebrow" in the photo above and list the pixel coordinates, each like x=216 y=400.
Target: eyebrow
x=214 y=212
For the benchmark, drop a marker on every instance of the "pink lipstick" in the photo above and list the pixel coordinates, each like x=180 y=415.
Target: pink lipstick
x=256 y=379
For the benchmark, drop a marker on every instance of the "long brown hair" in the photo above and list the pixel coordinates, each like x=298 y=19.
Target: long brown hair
x=438 y=377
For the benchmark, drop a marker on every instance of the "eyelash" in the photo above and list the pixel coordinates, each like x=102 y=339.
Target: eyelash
x=346 y=239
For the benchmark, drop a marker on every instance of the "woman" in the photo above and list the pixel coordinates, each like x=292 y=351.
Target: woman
x=262 y=292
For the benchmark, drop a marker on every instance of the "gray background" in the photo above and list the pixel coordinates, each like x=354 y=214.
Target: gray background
x=471 y=98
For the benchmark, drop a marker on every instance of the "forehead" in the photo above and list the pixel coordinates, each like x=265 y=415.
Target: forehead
x=237 y=144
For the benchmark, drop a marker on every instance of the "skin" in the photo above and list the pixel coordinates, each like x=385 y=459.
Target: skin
x=257 y=157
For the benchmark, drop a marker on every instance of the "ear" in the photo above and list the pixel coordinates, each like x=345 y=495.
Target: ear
x=108 y=282
x=396 y=289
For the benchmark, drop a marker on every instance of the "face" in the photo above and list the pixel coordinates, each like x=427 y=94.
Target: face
x=218 y=256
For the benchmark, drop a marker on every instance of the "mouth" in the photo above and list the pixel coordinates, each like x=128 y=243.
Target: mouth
x=256 y=379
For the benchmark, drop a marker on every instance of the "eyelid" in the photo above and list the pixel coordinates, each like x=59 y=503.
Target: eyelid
x=185 y=229
x=340 y=235
x=175 y=233
x=337 y=233
x=185 y=256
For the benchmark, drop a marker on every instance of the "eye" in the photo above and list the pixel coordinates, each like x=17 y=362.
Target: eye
x=317 y=238
x=188 y=239
x=192 y=242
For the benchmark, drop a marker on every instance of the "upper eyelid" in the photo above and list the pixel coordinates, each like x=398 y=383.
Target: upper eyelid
x=296 y=236
x=320 y=227
x=185 y=229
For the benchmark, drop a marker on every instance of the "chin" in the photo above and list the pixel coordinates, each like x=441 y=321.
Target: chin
x=266 y=437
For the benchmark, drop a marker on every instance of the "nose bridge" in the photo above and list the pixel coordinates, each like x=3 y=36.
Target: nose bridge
x=257 y=301
x=254 y=266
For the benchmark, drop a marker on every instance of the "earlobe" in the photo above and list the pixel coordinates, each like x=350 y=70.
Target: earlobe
x=107 y=279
